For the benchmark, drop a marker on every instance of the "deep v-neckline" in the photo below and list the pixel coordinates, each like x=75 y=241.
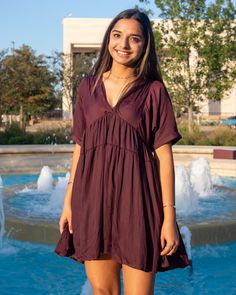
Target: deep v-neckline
x=127 y=94
x=113 y=108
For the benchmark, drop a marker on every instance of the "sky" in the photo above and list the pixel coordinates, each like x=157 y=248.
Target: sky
x=38 y=23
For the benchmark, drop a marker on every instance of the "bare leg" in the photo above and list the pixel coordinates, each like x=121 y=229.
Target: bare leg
x=137 y=282
x=104 y=275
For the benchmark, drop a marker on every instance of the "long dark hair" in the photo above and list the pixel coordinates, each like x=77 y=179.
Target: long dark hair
x=147 y=66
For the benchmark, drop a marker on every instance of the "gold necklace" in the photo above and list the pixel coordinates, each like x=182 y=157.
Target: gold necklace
x=123 y=78
x=118 y=97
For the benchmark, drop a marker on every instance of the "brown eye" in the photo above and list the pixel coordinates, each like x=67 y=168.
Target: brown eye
x=116 y=35
x=135 y=39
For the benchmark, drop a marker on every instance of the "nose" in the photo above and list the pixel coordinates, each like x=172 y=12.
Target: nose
x=125 y=43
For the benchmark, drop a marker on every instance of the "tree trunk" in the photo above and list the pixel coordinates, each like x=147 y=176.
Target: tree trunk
x=190 y=119
x=22 y=118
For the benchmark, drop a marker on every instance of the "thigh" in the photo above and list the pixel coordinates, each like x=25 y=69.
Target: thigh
x=137 y=282
x=104 y=274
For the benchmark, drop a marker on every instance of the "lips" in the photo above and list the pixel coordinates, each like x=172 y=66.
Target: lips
x=122 y=53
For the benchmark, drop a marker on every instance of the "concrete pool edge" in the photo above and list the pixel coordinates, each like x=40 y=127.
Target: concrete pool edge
x=41 y=232
x=31 y=158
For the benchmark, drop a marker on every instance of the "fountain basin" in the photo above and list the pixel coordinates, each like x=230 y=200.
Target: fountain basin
x=46 y=230
x=43 y=228
x=213 y=232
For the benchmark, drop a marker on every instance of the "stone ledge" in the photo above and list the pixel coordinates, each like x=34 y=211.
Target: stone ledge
x=42 y=232
x=68 y=148
x=31 y=158
x=36 y=149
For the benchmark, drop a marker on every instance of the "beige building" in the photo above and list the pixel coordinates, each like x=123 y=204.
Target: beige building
x=86 y=34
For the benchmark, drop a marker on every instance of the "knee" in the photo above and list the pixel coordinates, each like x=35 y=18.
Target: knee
x=100 y=290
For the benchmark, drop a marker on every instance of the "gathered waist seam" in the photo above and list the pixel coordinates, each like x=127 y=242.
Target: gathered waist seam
x=112 y=144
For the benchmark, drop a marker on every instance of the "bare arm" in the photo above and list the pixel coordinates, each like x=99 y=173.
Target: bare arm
x=66 y=215
x=169 y=235
x=75 y=159
x=167 y=178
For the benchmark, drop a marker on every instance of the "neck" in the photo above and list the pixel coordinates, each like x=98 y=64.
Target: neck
x=122 y=72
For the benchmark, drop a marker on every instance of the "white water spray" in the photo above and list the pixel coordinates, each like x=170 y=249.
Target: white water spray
x=1 y=182
x=191 y=184
x=45 y=180
x=200 y=176
x=186 y=198
x=186 y=235
x=56 y=199
x=53 y=204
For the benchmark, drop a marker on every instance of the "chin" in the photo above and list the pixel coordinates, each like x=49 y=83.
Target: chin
x=124 y=61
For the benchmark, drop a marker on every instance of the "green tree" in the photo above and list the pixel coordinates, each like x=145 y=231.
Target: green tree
x=196 y=44
x=69 y=69
x=28 y=84
x=3 y=105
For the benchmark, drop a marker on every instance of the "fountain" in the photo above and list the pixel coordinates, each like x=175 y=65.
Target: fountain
x=200 y=200
x=45 y=180
x=32 y=209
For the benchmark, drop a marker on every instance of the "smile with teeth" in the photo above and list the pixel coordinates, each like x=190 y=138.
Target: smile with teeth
x=122 y=52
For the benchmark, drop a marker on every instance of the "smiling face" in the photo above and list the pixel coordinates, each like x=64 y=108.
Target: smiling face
x=126 y=42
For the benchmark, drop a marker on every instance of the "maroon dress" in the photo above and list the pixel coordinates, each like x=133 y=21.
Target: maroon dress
x=116 y=196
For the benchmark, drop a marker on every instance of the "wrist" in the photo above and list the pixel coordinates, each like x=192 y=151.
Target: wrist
x=68 y=196
x=169 y=213
x=169 y=220
x=169 y=205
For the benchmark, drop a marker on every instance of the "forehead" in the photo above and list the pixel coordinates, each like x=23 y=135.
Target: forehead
x=129 y=26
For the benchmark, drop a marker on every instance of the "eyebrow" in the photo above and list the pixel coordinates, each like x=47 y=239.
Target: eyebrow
x=136 y=35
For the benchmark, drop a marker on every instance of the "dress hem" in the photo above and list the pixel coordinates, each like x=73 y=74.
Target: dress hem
x=120 y=261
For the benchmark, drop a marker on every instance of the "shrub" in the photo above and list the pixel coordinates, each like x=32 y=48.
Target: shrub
x=25 y=138
x=59 y=135
x=13 y=129
x=196 y=137
x=15 y=135
x=223 y=135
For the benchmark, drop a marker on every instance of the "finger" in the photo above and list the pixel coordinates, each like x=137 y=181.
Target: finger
x=62 y=226
x=175 y=247
x=162 y=242
x=167 y=249
x=70 y=226
x=171 y=252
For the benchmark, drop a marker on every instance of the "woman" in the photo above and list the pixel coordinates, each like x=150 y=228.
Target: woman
x=119 y=208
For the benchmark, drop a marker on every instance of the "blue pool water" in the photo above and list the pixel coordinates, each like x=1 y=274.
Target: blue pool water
x=26 y=202
x=14 y=179
x=28 y=268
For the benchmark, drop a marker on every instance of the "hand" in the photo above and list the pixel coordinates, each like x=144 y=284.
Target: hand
x=169 y=237
x=66 y=217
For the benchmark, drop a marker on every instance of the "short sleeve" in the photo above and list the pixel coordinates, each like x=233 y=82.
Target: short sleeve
x=163 y=123
x=79 y=122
